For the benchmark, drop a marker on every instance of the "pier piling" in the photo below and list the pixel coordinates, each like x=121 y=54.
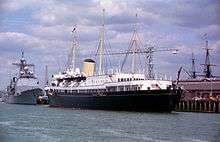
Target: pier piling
x=199 y=106
x=218 y=107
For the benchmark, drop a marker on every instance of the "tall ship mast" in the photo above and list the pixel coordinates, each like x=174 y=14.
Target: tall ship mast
x=207 y=65
x=101 y=46
x=24 y=88
x=132 y=91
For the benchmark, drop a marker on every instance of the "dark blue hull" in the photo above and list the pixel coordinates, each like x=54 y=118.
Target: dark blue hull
x=152 y=101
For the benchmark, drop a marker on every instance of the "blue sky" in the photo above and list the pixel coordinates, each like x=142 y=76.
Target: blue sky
x=43 y=30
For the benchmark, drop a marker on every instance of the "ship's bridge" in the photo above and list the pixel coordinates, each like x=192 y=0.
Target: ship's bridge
x=27 y=82
x=128 y=82
x=122 y=77
x=118 y=77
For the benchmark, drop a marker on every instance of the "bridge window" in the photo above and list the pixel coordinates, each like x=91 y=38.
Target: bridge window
x=127 y=88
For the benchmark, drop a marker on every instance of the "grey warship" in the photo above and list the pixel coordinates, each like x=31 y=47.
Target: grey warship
x=24 y=88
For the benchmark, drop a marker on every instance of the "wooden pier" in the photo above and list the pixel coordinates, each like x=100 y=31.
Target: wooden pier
x=201 y=95
x=199 y=106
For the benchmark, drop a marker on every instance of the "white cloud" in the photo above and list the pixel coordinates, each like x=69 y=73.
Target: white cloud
x=14 y=5
x=116 y=7
x=53 y=13
x=21 y=39
x=216 y=47
x=45 y=29
x=28 y=41
x=212 y=31
x=68 y=13
x=50 y=32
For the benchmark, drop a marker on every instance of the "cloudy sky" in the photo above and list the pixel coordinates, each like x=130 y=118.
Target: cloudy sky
x=43 y=30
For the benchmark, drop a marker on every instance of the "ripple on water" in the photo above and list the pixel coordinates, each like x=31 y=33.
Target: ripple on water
x=138 y=137
x=35 y=124
x=7 y=123
x=193 y=140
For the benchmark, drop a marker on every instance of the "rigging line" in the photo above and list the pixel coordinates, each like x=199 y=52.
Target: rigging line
x=108 y=57
x=109 y=48
x=131 y=41
x=99 y=41
x=129 y=47
x=140 y=63
x=98 y=45
x=139 y=39
x=123 y=63
x=139 y=47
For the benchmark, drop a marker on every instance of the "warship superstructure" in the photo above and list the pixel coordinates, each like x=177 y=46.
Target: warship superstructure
x=24 y=88
x=116 y=90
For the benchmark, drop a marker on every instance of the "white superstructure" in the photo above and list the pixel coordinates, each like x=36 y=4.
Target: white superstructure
x=108 y=82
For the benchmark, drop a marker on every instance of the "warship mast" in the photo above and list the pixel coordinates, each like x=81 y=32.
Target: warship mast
x=46 y=76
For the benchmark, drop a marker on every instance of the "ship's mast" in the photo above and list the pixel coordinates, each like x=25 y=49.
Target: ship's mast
x=72 y=56
x=207 y=65
x=134 y=49
x=22 y=62
x=46 y=76
x=193 y=72
x=74 y=46
x=101 y=45
x=22 y=71
x=22 y=54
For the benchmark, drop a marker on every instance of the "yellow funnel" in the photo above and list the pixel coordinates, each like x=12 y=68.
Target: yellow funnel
x=89 y=67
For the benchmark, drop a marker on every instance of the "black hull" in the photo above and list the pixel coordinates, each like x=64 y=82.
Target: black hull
x=145 y=101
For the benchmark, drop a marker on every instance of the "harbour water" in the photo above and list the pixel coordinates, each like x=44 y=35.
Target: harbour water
x=22 y=123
